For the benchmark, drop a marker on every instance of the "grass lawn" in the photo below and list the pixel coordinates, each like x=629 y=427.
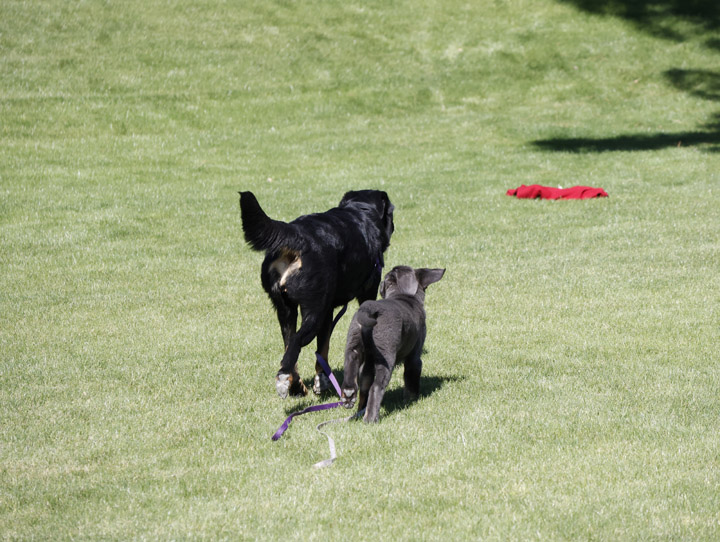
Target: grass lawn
x=571 y=385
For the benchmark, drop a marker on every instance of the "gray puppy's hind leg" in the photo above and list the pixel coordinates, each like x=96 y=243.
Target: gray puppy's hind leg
x=367 y=377
x=413 y=368
x=383 y=372
x=354 y=358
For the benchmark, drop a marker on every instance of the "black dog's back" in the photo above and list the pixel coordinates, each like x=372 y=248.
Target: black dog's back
x=341 y=248
x=348 y=226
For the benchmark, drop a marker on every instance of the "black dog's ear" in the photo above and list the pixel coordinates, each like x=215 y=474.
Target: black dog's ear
x=407 y=283
x=387 y=216
x=427 y=276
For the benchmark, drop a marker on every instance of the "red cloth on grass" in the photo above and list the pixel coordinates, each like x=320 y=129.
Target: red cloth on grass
x=548 y=192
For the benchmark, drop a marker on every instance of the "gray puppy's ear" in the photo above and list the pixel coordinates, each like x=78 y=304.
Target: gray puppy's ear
x=427 y=276
x=407 y=283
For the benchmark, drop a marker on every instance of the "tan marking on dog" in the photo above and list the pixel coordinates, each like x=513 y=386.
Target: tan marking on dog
x=286 y=264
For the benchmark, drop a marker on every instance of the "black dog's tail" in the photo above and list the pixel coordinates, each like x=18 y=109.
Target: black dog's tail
x=367 y=318
x=261 y=231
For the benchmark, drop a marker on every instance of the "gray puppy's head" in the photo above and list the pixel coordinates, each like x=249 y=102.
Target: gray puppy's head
x=404 y=280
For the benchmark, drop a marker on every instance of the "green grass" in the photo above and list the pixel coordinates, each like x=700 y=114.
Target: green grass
x=572 y=381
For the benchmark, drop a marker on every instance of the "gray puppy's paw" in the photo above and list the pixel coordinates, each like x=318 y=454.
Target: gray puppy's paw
x=348 y=397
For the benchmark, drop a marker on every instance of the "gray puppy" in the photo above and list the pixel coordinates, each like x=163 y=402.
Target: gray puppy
x=383 y=333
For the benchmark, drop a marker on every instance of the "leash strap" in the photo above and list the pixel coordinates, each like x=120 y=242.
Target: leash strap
x=331 y=443
x=324 y=364
x=313 y=408
x=328 y=372
x=333 y=454
x=339 y=315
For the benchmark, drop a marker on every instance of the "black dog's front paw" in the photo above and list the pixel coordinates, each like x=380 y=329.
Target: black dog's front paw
x=286 y=384
x=348 y=397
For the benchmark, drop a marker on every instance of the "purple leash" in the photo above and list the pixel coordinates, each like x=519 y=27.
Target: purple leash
x=313 y=408
x=328 y=372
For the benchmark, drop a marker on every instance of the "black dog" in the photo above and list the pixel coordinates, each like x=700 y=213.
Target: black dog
x=318 y=262
x=383 y=333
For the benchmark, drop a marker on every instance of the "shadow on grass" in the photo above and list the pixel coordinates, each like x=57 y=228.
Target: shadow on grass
x=675 y=20
x=392 y=401
x=637 y=142
x=701 y=83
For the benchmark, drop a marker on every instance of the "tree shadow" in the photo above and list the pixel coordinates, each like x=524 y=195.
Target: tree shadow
x=710 y=136
x=701 y=83
x=676 y=20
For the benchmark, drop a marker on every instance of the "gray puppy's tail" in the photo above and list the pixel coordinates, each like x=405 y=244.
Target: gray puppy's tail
x=261 y=231
x=367 y=318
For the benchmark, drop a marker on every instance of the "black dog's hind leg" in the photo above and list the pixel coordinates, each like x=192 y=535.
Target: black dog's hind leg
x=287 y=316
x=288 y=380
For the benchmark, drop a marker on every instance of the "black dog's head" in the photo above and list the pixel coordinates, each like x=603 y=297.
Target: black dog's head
x=404 y=280
x=380 y=203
